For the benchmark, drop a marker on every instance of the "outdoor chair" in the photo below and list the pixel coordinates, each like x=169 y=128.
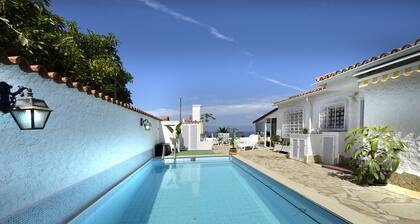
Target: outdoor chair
x=248 y=142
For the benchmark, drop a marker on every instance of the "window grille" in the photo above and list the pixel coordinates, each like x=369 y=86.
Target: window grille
x=332 y=117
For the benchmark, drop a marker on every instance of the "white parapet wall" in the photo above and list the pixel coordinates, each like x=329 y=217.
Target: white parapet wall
x=167 y=135
x=191 y=134
x=49 y=175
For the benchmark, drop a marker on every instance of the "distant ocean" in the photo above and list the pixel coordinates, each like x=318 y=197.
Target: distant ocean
x=238 y=134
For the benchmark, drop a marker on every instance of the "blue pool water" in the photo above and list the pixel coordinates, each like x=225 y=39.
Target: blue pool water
x=213 y=190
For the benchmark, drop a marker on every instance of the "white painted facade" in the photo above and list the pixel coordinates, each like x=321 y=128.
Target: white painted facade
x=395 y=103
x=343 y=92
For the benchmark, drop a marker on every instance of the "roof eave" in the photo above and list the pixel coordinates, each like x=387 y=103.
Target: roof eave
x=401 y=53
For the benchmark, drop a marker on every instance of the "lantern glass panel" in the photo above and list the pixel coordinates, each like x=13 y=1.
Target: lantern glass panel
x=23 y=118
x=40 y=118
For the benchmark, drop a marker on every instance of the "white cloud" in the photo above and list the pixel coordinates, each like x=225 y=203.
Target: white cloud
x=219 y=35
x=215 y=33
x=250 y=57
x=251 y=107
x=171 y=112
x=239 y=115
x=239 y=109
x=277 y=82
x=164 y=9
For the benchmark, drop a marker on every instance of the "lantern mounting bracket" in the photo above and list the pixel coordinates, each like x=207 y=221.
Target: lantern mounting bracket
x=8 y=98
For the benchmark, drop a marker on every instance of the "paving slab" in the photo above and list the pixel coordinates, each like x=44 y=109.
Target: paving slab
x=384 y=204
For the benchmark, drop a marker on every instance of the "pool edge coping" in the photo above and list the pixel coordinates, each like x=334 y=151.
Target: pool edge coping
x=311 y=194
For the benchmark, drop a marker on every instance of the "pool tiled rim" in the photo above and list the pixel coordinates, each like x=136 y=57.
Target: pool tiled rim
x=328 y=203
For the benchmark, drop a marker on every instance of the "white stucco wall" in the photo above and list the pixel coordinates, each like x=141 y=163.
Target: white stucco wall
x=396 y=103
x=167 y=135
x=83 y=137
x=342 y=91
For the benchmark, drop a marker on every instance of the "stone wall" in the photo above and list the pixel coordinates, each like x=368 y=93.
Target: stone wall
x=88 y=145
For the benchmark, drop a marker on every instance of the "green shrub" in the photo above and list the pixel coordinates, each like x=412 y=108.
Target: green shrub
x=285 y=141
x=376 y=153
x=223 y=130
x=275 y=139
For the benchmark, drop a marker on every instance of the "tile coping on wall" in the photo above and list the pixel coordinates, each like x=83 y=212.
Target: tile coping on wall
x=326 y=202
x=58 y=78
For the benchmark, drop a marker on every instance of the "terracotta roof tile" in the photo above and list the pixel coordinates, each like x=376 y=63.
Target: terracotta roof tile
x=164 y=118
x=372 y=59
x=312 y=91
x=58 y=78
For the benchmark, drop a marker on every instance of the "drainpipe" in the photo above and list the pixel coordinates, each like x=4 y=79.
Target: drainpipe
x=310 y=115
x=265 y=133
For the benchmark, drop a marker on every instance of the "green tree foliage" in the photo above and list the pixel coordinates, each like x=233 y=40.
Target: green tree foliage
x=376 y=153
x=223 y=130
x=29 y=29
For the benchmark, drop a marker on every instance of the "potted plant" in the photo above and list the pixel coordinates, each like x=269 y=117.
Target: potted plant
x=223 y=135
x=285 y=145
x=232 y=149
x=275 y=141
x=176 y=137
x=205 y=118
x=376 y=153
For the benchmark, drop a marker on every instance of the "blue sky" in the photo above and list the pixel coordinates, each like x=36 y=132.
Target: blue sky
x=236 y=57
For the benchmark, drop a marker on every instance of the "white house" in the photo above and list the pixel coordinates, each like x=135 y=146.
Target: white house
x=266 y=126
x=192 y=130
x=382 y=90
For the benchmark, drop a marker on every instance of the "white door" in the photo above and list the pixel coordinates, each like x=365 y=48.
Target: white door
x=328 y=146
x=301 y=150
x=298 y=149
x=295 y=149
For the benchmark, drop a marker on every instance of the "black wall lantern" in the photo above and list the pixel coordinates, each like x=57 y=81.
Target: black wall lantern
x=146 y=124
x=29 y=113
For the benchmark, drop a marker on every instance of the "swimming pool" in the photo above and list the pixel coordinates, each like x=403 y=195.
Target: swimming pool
x=207 y=190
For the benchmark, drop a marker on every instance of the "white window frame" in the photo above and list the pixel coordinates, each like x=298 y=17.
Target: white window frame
x=334 y=104
x=286 y=130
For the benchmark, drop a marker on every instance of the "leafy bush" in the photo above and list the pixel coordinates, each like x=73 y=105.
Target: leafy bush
x=275 y=139
x=376 y=153
x=285 y=141
x=223 y=130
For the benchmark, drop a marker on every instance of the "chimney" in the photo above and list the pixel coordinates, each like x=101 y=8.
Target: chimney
x=196 y=112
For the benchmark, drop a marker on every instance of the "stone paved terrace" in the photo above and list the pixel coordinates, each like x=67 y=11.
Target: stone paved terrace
x=385 y=204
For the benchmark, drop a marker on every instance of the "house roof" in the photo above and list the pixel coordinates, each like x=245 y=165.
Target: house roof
x=164 y=118
x=265 y=115
x=367 y=61
x=58 y=78
x=302 y=94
